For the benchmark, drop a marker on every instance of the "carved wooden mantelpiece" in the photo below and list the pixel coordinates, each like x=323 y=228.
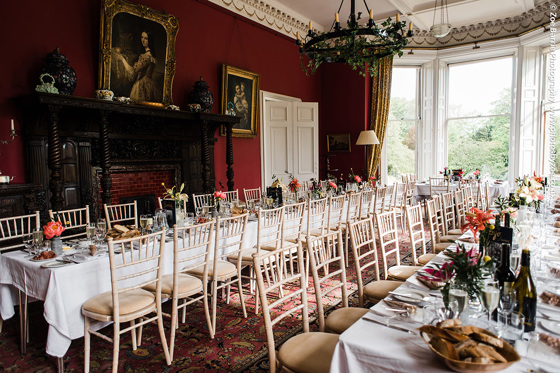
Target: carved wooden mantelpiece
x=67 y=137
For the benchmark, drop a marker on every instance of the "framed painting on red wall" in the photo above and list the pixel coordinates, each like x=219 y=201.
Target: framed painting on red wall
x=339 y=142
x=137 y=51
x=240 y=96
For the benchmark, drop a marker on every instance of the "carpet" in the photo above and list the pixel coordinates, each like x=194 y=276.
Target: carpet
x=239 y=344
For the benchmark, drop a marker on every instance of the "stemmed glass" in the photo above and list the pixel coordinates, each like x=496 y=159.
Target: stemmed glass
x=102 y=224
x=490 y=296
x=90 y=231
x=27 y=239
x=143 y=222
x=37 y=240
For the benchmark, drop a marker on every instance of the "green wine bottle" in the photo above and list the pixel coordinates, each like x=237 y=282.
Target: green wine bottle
x=525 y=292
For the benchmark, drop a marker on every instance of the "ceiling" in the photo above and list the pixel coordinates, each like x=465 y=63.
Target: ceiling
x=420 y=12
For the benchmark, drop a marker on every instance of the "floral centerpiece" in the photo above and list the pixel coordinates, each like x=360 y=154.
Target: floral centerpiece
x=465 y=266
x=331 y=186
x=355 y=179
x=482 y=223
x=529 y=191
x=52 y=231
x=178 y=196
x=218 y=196
x=294 y=184
x=476 y=174
x=457 y=174
x=372 y=181
x=315 y=189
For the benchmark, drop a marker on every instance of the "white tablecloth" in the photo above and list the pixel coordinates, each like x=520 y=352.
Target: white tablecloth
x=369 y=347
x=65 y=289
x=496 y=190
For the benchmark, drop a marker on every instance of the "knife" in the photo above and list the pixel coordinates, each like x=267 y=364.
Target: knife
x=390 y=326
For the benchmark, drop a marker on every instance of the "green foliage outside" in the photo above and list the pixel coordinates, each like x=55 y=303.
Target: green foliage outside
x=401 y=138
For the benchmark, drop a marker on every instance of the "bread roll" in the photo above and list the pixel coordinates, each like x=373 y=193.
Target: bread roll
x=444 y=347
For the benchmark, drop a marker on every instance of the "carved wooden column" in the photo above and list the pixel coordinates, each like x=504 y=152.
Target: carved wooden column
x=229 y=156
x=105 y=158
x=205 y=157
x=55 y=160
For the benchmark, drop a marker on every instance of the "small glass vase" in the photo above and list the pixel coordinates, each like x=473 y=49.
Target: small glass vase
x=56 y=245
x=179 y=213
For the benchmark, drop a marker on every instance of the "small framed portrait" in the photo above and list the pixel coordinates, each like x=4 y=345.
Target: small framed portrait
x=338 y=142
x=137 y=51
x=240 y=96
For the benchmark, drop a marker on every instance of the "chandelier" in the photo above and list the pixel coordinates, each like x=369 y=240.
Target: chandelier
x=444 y=27
x=358 y=46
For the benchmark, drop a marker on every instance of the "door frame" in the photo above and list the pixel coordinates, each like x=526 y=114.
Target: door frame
x=267 y=97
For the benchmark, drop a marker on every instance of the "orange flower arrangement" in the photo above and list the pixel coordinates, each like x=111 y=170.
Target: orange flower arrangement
x=52 y=229
x=480 y=221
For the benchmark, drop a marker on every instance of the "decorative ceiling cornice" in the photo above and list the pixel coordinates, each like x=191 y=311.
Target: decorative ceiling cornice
x=499 y=29
x=271 y=14
x=278 y=17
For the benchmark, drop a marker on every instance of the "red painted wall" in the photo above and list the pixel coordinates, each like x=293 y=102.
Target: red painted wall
x=345 y=108
x=208 y=37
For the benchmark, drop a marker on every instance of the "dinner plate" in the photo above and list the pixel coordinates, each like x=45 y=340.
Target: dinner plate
x=43 y=260
x=410 y=295
x=551 y=326
x=54 y=264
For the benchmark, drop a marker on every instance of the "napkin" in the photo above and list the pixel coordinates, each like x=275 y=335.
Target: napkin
x=80 y=258
x=539 y=351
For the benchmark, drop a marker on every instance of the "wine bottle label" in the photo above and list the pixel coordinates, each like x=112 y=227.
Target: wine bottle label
x=507 y=287
x=530 y=313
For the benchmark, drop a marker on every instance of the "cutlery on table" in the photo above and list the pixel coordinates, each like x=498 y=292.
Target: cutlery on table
x=390 y=326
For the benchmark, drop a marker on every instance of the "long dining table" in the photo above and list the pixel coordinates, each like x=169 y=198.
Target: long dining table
x=371 y=347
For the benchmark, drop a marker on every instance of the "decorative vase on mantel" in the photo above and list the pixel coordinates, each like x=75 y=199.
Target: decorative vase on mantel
x=64 y=76
x=56 y=245
x=201 y=95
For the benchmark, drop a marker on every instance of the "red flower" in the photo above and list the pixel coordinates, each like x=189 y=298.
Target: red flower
x=358 y=179
x=372 y=178
x=53 y=228
x=332 y=185
x=477 y=220
x=219 y=195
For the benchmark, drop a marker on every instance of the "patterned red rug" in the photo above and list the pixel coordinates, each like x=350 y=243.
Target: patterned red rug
x=239 y=344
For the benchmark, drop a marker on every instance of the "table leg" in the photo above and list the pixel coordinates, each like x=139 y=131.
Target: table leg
x=60 y=364
x=23 y=321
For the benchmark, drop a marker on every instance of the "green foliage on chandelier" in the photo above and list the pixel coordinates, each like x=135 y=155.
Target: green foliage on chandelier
x=361 y=52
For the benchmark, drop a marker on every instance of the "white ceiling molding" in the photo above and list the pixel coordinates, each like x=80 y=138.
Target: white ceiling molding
x=271 y=14
x=501 y=28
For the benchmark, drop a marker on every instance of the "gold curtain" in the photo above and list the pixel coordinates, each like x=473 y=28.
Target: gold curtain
x=380 y=97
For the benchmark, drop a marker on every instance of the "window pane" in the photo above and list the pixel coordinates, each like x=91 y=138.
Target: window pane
x=475 y=87
x=401 y=138
x=481 y=143
x=403 y=94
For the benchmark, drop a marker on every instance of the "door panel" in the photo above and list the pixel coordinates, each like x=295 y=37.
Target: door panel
x=306 y=134
x=278 y=144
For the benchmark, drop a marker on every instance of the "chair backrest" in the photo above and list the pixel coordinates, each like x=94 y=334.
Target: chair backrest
x=12 y=230
x=336 y=210
x=280 y=283
x=270 y=226
x=354 y=206
x=316 y=215
x=389 y=196
x=482 y=196
x=438 y=185
x=122 y=213
x=200 y=200
x=232 y=196
x=252 y=194
x=416 y=233
x=293 y=221
x=433 y=223
x=326 y=258
x=399 y=199
x=468 y=197
x=192 y=249
x=366 y=207
x=75 y=221
x=410 y=189
x=448 y=211
x=459 y=208
x=230 y=235
x=379 y=205
x=438 y=205
x=364 y=252
x=139 y=264
x=160 y=203
x=388 y=237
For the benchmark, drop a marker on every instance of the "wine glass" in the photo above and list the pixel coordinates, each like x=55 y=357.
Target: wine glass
x=143 y=222
x=490 y=296
x=27 y=239
x=90 y=231
x=37 y=239
x=102 y=224
x=458 y=293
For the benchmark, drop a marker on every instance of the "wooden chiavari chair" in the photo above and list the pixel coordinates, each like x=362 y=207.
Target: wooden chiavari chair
x=252 y=194
x=438 y=185
x=74 y=221
x=121 y=213
x=433 y=225
x=417 y=235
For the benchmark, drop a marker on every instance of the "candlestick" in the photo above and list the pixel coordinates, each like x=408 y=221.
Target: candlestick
x=12 y=134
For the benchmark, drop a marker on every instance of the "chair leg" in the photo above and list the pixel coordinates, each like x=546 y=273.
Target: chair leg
x=241 y=296
x=184 y=320
x=116 y=346
x=207 y=313
x=214 y=303
x=174 y=325
x=133 y=335
x=87 y=338
x=162 y=335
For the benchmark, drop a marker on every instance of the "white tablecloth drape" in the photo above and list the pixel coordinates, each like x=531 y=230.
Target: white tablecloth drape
x=422 y=190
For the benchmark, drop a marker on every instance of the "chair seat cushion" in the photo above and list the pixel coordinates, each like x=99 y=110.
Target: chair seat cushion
x=224 y=270
x=308 y=352
x=341 y=319
x=455 y=232
x=284 y=243
x=129 y=302
x=439 y=247
x=402 y=272
x=246 y=255
x=425 y=259
x=187 y=284
x=380 y=289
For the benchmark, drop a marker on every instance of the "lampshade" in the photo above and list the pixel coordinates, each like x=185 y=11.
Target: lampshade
x=367 y=138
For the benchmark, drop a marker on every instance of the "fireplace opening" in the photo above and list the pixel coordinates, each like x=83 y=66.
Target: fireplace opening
x=146 y=204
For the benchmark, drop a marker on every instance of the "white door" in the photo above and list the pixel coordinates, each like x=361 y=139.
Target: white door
x=290 y=141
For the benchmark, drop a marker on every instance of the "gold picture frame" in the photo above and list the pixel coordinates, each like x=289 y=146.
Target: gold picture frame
x=339 y=142
x=240 y=96
x=137 y=51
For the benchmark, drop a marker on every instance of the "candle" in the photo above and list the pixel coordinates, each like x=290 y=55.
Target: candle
x=336 y=17
x=310 y=28
x=410 y=26
x=397 y=18
x=13 y=125
x=371 y=14
x=297 y=35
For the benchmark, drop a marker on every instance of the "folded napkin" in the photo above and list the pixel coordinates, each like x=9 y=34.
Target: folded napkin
x=80 y=258
x=539 y=351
